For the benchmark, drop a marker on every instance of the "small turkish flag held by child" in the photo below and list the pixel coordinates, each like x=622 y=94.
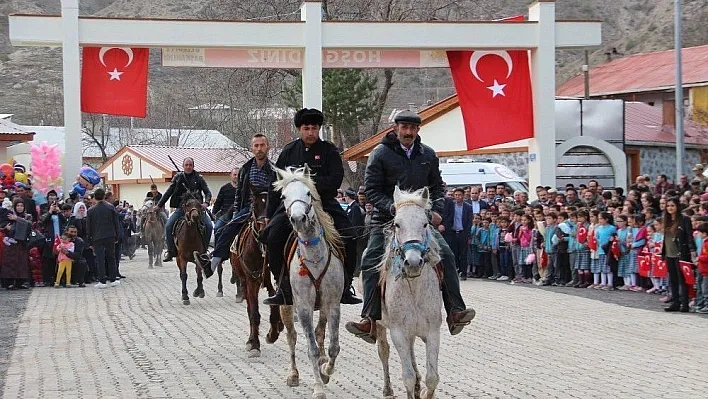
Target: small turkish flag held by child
x=644 y=266
x=582 y=234
x=687 y=271
x=114 y=81
x=592 y=241
x=660 y=270
x=494 y=92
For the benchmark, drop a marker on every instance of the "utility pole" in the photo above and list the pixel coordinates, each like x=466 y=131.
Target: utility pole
x=586 y=73
x=679 y=92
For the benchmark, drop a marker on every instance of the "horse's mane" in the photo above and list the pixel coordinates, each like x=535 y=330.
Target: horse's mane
x=292 y=174
x=433 y=256
x=415 y=197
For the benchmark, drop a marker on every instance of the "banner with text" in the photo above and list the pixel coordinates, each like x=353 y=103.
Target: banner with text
x=292 y=58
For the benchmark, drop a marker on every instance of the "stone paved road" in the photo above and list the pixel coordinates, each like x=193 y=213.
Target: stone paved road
x=139 y=341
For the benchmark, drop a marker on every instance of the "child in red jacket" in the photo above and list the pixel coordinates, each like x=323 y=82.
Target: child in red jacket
x=703 y=265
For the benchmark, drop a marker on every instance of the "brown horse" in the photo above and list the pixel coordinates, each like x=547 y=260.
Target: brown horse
x=249 y=264
x=188 y=239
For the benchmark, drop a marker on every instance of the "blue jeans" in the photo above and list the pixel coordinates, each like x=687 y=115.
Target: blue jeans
x=178 y=214
x=226 y=236
x=218 y=224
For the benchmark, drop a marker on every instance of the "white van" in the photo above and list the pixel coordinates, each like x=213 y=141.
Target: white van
x=467 y=172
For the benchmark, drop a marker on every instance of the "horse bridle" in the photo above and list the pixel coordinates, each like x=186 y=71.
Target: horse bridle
x=308 y=207
x=188 y=215
x=400 y=250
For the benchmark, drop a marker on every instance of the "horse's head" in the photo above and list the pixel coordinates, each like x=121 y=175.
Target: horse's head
x=192 y=209
x=412 y=238
x=259 y=201
x=298 y=193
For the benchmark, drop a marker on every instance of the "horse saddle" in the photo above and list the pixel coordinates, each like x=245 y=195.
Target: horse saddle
x=236 y=246
x=181 y=223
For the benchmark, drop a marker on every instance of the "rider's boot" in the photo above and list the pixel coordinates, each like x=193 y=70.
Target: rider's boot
x=168 y=256
x=365 y=329
x=283 y=296
x=204 y=262
x=348 y=296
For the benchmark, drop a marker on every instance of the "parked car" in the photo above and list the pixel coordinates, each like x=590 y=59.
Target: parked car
x=468 y=172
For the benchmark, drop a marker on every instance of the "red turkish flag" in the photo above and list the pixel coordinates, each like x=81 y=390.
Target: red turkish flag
x=114 y=81
x=687 y=270
x=494 y=92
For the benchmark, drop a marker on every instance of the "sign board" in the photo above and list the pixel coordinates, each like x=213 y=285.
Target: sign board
x=290 y=58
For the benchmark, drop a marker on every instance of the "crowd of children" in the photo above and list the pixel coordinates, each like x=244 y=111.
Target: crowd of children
x=598 y=240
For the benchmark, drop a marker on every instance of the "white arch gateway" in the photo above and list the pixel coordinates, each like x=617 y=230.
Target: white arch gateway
x=315 y=42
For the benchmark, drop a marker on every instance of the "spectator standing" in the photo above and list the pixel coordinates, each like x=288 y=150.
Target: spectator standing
x=102 y=230
x=455 y=228
x=678 y=246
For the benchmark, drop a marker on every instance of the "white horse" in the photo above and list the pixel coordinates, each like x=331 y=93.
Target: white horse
x=316 y=275
x=412 y=302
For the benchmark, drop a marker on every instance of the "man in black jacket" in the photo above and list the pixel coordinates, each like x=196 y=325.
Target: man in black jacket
x=102 y=233
x=258 y=172
x=188 y=181
x=455 y=228
x=223 y=205
x=402 y=160
x=326 y=168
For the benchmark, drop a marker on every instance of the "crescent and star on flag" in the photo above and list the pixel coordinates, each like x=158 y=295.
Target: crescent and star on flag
x=496 y=88
x=115 y=73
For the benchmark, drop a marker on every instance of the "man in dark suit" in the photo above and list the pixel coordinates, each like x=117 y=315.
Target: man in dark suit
x=455 y=228
x=356 y=216
x=102 y=233
x=474 y=201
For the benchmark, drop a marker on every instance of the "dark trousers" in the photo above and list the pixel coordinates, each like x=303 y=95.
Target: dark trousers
x=105 y=251
x=372 y=292
x=563 y=267
x=117 y=255
x=457 y=240
x=78 y=272
x=486 y=263
x=279 y=229
x=49 y=269
x=90 y=265
x=679 y=291
x=226 y=234
x=504 y=261
x=552 y=268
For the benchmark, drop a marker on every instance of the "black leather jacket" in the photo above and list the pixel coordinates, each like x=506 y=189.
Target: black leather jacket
x=389 y=166
x=193 y=181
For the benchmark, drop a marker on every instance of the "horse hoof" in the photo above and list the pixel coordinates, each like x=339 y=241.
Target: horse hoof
x=388 y=393
x=201 y=294
x=320 y=395
x=149 y=266
x=185 y=301
x=219 y=294
x=254 y=353
x=293 y=381
x=322 y=360
x=239 y=299
x=271 y=338
x=424 y=393
x=323 y=373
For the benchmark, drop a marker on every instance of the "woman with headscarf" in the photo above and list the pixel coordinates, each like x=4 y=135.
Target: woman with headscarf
x=78 y=219
x=15 y=270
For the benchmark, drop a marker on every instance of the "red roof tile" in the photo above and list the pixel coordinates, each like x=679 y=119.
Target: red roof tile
x=206 y=160
x=641 y=72
x=644 y=123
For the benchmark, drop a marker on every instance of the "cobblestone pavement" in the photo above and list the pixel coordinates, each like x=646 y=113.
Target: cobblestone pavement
x=139 y=341
x=12 y=305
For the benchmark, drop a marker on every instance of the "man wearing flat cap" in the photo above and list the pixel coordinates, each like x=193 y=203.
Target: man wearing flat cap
x=327 y=172
x=699 y=176
x=402 y=160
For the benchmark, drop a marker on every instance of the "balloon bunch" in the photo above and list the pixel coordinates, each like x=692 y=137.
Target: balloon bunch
x=46 y=167
x=87 y=178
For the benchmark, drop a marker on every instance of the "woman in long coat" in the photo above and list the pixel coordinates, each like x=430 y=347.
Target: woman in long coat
x=15 y=270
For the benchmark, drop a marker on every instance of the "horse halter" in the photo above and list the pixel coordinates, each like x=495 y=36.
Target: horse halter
x=308 y=207
x=418 y=245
